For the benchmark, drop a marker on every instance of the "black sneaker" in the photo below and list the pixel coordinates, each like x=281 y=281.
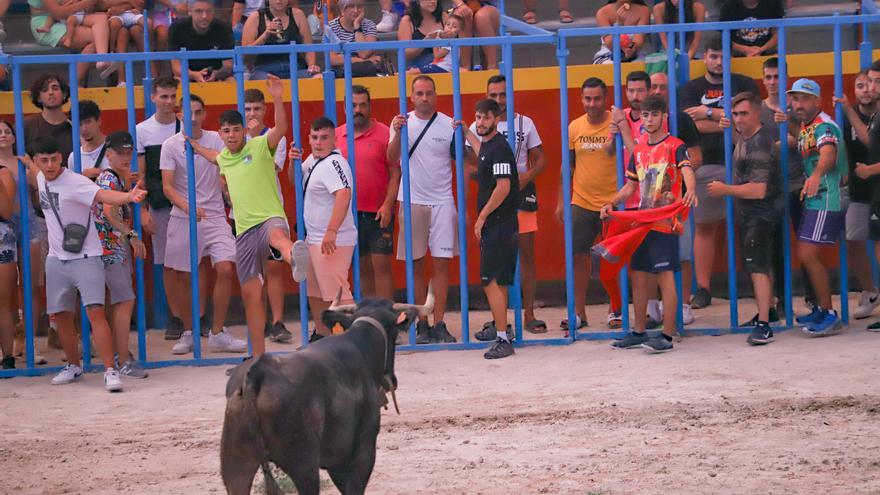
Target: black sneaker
x=500 y=349
x=175 y=329
x=631 y=340
x=651 y=324
x=279 y=333
x=774 y=317
x=315 y=336
x=8 y=363
x=657 y=344
x=874 y=327
x=204 y=326
x=423 y=332
x=440 y=334
x=761 y=334
x=701 y=299
x=490 y=333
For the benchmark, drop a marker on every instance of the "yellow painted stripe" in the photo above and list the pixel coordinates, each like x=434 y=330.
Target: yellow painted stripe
x=527 y=79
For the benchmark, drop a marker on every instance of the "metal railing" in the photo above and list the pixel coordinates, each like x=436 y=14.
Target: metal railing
x=532 y=36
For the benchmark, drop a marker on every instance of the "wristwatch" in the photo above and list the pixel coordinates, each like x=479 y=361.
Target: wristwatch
x=132 y=234
x=709 y=113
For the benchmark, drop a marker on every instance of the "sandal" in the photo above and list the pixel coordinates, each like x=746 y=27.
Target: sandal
x=530 y=16
x=565 y=17
x=580 y=324
x=536 y=326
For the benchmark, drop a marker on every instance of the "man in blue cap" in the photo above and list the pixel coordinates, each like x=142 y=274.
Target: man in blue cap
x=821 y=145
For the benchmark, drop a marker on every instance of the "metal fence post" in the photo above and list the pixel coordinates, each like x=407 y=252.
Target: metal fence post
x=621 y=177
x=349 y=132
x=460 y=186
x=186 y=108
x=841 y=245
x=562 y=58
x=672 y=111
x=140 y=301
x=404 y=184
x=728 y=177
x=514 y=292
x=783 y=161
x=295 y=123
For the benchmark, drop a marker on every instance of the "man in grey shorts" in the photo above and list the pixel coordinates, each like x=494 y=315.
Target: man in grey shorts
x=116 y=234
x=74 y=263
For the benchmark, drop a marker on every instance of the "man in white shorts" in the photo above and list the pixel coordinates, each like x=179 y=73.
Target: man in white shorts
x=74 y=264
x=434 y=216
x=151 y=133
x=214 y=234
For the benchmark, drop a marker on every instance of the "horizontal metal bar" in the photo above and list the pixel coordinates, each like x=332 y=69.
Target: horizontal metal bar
x=523 y=27
x=458 y=42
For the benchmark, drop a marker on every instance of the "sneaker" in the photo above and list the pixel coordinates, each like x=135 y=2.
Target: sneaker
x=279 y=333
x=702 y=299
x=874 y=327
x=112 y=381
x=630 y=341
x=774 y=317
x=423 y=332
x=827 y=324
x=500 y=349
x=867 y=302
x=615 y=320
x=440 y=334
x=581 y=323
x=175 y=329
x=761 y=334
x=487 y=334
x=651 y=324
x=657 y=345
x=687 y=314
x=813 y=316
x=68 y=374
x=388 y=22
x=655 y=310
x=184 y=345
x=204 y=326
x=225 y=342
x=8 y=363
x=315 y=336
x=132 y=369
x=299 y=261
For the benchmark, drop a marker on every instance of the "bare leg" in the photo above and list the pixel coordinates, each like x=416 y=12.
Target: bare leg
x=275 y=288
x=861 y=265
x=8 y=276
x=317 y=306
x=368 y=285
x=255 y=312
x=582 y=269
x=809 y=254
x=121 y=317
x=420 y=289
x=222 y=294
x=763 y=286
x=101 y=333
x=120 y=43
x=666 y=281
x=204 y=279
x=687 y=275
x=382 y=276
x=640 y=300
x=440 y=281
x=497 y=296
x=64 y=323
x=487 y=22
x=184 y=299
x=527 y=274
x=704 y=252
x=170 y=279
x=100 y=30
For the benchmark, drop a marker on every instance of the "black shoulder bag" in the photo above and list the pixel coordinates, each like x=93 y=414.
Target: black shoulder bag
x=74 y=234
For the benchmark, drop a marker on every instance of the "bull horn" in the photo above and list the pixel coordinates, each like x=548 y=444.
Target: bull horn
x=343 y=308
x=424 y=309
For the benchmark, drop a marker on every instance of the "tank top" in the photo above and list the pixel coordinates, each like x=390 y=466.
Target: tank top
x=418 y=35
x=291 y=33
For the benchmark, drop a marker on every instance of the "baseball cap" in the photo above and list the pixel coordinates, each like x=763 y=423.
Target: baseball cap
x=806 y=86
x=120 y=141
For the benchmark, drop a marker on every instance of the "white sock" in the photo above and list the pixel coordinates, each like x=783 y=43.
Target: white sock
x=502 y=334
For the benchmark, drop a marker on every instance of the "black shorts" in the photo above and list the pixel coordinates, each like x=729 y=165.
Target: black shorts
x=586 y=225
x=372 y=238
x=499 y=248
x=657 y=253
x=758 y=240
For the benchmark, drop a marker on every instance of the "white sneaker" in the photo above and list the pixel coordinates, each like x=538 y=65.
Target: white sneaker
x=388 y=22
x=67 y=375
x=112 y=381
x=867 y=302
x=225 y=342
x=299 y=261
x=655 y=310
x=687 y=314
x=185 y=344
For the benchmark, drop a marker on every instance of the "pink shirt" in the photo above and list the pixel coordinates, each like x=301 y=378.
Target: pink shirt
x=372 y=170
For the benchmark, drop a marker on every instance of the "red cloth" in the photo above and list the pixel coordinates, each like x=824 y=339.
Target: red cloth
x=624 y=232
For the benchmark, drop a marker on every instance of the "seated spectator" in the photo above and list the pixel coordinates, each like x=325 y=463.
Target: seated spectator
x=201 y=31
x=422 y=18
x=164 y=13
x=4 y=6
x=279 y=24
x=126 y=25
x=241 y=10
x=666 y=12
x=483 y=20
x=622 y=13
x=92 y=35
x=530 y=15
x=752 y=42
x=442 y=54
x=352 y=26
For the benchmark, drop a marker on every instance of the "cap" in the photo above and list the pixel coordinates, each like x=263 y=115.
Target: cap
x=120 y=141
x=806 y=86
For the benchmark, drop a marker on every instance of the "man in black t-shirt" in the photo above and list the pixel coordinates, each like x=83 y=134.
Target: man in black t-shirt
x=759 y=204
x=751 y=42
x=703 y=99
x=496 y=227
x=201 y=31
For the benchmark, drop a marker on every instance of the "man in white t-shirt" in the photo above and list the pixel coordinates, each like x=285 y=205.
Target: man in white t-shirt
x=274 y=268
x=92 y=151
x=330 y=231
x=434 y=217
x=213 y=231
x=150 y=134
x=66 y=199
x=530 y=161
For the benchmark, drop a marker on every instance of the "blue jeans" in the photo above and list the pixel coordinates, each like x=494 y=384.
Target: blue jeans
x=278 y=68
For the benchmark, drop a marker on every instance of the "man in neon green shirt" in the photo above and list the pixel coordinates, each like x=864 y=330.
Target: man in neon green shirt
x=260 y=222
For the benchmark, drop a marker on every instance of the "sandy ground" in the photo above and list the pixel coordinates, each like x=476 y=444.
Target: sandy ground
x=715 y=416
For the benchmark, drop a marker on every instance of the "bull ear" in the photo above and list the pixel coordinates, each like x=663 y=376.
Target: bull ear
x=405 y=318
x=338 y=321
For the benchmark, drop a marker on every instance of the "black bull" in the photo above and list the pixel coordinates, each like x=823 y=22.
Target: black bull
x=317 y=408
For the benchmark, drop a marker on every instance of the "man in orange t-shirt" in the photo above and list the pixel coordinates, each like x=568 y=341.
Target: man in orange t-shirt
x=594 y=184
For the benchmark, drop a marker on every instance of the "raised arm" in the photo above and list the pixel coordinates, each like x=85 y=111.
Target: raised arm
x=119 y=198
x=275 y=88
x=207 y=153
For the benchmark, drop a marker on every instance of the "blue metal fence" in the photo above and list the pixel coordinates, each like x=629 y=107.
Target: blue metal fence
x=531 y=36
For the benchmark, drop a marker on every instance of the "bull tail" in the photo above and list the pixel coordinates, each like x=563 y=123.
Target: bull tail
x=250 y=390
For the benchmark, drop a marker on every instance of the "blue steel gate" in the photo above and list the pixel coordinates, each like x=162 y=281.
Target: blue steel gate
x=531 y=35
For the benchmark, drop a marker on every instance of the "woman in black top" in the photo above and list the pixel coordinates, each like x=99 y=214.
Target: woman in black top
x=279 y=24
x=423 y=17
x=666 y=12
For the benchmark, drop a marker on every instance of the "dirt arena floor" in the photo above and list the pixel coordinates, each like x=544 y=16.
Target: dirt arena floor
x=715 y=416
